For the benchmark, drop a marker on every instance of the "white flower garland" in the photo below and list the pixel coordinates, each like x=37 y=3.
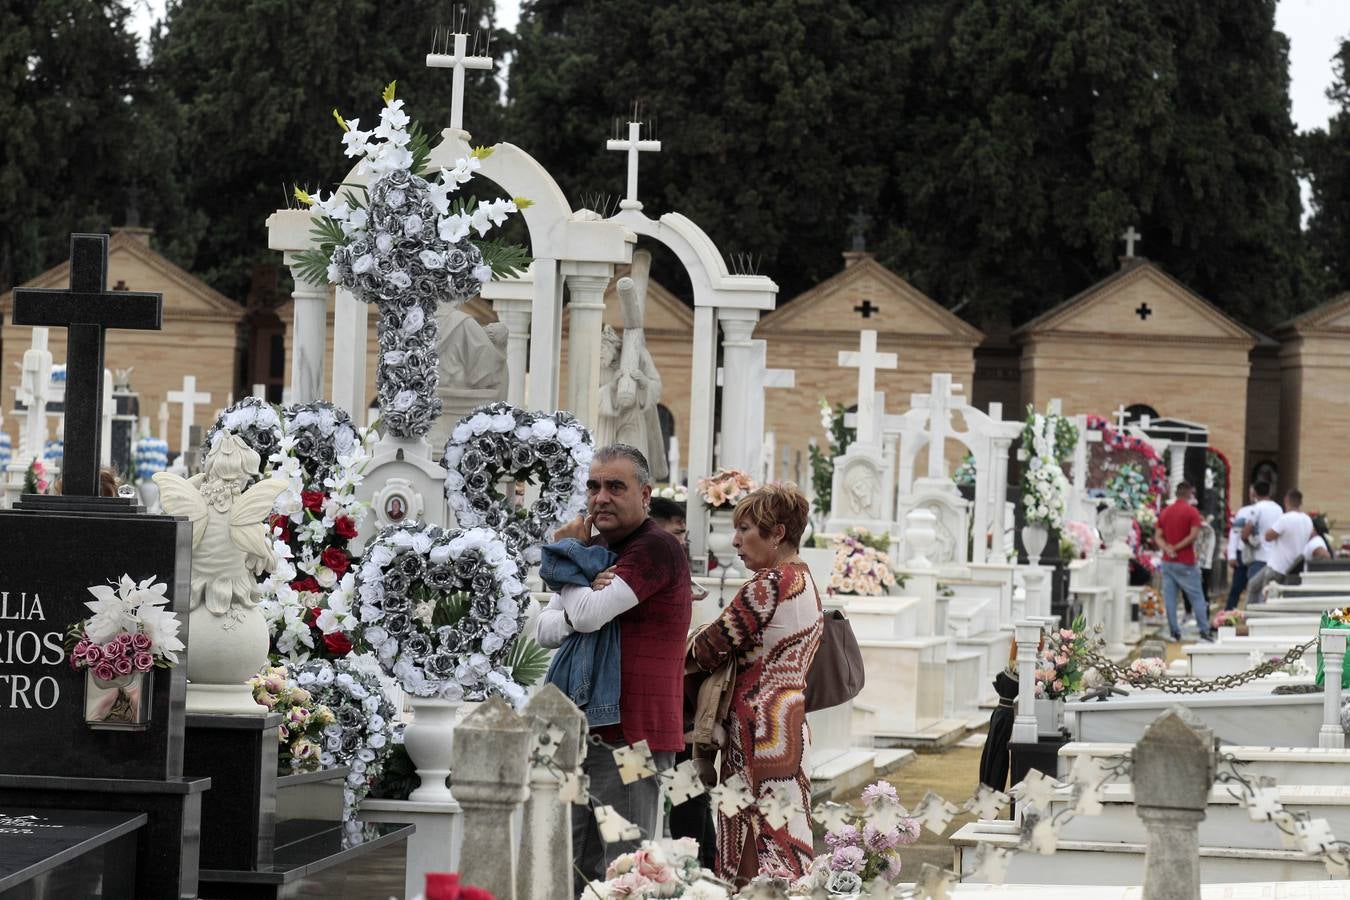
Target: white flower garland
x=258 y=423
x=499 y=442
x=365 y=726
x=406 y=580
x=1045 y=490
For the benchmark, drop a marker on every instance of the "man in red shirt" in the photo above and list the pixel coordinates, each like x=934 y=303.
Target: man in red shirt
x=1178 y=527
x=648 y=592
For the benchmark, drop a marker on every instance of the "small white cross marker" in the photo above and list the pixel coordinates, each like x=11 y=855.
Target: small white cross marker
x=188 y=397
x=1130 y=237
x=633 y=146
x=459 y=62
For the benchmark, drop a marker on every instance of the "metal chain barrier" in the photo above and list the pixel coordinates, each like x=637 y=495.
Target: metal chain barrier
x=1114 y=673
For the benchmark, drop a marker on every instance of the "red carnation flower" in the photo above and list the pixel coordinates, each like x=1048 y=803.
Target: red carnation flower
x=336 y=559
x=312 y=501
x=337 y=643
x=446 y=886
x=344 y=527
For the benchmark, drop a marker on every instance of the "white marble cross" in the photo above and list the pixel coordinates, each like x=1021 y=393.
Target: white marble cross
x=879 y=417
x=1130 y=237
x=633 y=146
x=459 y=61
x=867 y=360
x=36 y=384
x=942 y=398
x=105 y=425
x=189 y=397
x=1120 y=415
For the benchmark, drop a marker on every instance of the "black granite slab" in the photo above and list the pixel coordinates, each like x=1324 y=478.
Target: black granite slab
x=315 y=863
x=239 y=755
x=50 y=560
x=165 y=848
x=35 y=841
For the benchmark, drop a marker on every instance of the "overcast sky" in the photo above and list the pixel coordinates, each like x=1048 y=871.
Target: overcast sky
x=1314 y=27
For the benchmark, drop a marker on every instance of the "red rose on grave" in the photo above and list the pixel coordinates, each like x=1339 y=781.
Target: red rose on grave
x=344 y=527
x=278 y=521
x=306 y=584
x=336 y=559
x=337 y=643
x=312 y=616
x=312 y=501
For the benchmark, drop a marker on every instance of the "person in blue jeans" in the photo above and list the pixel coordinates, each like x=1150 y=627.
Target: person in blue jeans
x=1178 y=527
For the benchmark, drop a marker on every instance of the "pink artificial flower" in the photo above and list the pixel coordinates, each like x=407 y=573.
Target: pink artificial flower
x=878 y=841
x=143 y=662
x=112 y=649
x=649 y=868
x=847 y=836
x=880 y=790
x=909 y=834
x=122 y=665
x=1058 y=685
x=104 y=671
x=848 y=859
x=140 y=641
x=630 y=884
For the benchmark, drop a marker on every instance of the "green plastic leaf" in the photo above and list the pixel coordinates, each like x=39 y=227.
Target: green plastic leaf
x=528 y=661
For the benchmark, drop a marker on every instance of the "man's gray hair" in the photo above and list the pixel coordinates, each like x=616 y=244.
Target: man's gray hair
x=632 y=454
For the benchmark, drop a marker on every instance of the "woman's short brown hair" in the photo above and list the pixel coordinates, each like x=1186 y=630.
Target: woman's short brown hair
x=775 y=504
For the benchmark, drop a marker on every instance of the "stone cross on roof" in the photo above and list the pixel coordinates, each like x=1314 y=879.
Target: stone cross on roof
x=459 y=61
x=1130 y=237
x=86 y=310
x=867 y=360
x=633 y=146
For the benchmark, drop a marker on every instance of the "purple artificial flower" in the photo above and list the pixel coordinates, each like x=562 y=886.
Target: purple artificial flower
x=847 y=836
x=879 y=841
x=880 y=790
x=848 y=859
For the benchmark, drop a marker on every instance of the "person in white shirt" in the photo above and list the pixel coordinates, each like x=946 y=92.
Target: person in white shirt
x=1264 y=513
x=1239 y=553
x=1287 y=537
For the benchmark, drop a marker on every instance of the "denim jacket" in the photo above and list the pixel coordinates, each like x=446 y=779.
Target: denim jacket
x=587 y=666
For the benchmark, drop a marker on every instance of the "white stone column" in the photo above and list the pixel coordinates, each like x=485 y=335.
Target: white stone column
x=1114 y=564
x=998 y=495
x=351 y=338
x=512 y=301
x=921 y=574
x=1028 y=636
x=545 y=335
x=546 y=843
x=492 y=766
x=702 y=407
x=738 y=362
x=1333 y=658
x=586 y=283
x=308 y=337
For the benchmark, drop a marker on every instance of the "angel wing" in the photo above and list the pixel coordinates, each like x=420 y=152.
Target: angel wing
x=180 y=497
x=247 y=514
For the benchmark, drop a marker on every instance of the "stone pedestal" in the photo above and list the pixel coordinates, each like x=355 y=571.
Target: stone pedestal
x=1174 y=767
x=546 y=843
x=403 y=483
x=492 y=768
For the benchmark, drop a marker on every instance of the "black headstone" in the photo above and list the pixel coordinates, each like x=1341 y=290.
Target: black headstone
x=56 y=548
x=68 y=853
x=86 y=309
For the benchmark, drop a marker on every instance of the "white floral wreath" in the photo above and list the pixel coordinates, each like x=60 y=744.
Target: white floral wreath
x=441 y=610
x=499 y=442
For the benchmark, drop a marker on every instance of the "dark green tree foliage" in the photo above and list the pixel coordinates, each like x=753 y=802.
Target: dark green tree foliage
x=254 y=83
x=1000 y=146
x=70 y=139
x=1326 y=156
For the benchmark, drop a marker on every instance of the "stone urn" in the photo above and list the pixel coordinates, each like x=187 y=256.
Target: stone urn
x=226 y=651
x=429 y=740
x=920 y=537
x=1035 y=535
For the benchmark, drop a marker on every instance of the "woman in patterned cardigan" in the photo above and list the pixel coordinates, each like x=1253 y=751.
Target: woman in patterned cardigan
x=773 y=629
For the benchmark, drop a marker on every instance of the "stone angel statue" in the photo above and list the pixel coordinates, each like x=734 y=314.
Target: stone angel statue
x=230 y=544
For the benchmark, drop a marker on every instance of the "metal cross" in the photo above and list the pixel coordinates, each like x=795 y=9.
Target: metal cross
x=86 y=310
x=459 y=61
x=633 y=146
x=1130 y=237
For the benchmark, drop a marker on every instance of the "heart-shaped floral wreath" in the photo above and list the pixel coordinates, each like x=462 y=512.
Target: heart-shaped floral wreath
x=499 y=442
x=440 y=609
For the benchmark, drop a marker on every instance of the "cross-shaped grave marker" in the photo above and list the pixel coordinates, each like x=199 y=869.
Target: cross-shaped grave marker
x=866 y=308
x=1120 y=415
x=188 y=397
x=1130 y=237
x=633 y=146
x=943 y=396
x=867 y=360
x=459 y=61
x=86 y=310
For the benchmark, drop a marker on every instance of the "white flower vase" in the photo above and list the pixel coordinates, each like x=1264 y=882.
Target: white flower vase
x=429 y=741
x=920 y=537
x=1034 y=537
x=1049 y=717
x=721 y=532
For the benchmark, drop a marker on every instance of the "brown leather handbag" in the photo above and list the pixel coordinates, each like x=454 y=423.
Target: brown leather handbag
x=836 y=674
